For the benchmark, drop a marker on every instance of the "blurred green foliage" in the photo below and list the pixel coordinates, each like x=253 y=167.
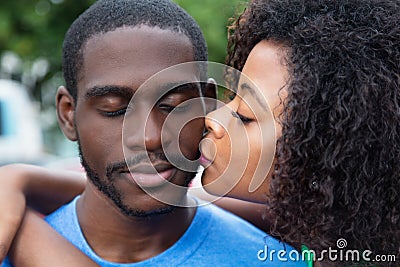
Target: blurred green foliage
x=34 y=29
x=213 y=17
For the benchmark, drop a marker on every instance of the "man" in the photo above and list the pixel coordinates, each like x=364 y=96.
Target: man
x=108 y=53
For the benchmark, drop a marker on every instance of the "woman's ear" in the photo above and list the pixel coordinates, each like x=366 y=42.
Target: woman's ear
x=211 y=95
x=66 y=113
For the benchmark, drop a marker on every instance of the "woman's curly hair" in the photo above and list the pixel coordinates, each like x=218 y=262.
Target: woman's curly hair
x=337 y=172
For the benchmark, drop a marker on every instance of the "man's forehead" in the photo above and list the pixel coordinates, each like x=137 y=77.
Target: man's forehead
x=131 y=55
x=137 y=33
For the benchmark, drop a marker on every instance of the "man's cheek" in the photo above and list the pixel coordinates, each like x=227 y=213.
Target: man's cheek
x=190 y=146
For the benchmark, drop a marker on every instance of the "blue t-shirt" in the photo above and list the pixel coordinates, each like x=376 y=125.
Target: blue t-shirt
x=214 y=238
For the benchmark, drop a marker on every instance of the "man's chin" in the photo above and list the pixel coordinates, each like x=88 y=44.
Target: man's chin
x=138 y=205
x=133 y=201
x=137 y=213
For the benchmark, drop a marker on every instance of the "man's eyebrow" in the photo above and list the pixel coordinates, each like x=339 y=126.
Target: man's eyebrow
x=179 y=87
x=98 y=91
x=245 y=86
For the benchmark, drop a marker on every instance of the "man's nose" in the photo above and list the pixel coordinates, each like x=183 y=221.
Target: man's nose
x=142 y=132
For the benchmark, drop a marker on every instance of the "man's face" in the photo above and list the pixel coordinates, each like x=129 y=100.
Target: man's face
x=115 y=65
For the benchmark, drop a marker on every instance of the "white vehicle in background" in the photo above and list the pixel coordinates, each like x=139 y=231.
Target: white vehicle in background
x=20 y=132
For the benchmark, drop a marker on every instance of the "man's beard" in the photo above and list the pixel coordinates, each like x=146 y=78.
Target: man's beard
x=108 y=188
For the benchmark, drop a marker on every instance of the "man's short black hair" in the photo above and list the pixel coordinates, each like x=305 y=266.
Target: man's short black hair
x=108 y=15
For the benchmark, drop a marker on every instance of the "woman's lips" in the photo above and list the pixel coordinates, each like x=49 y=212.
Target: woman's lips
x=207 y=148
x=205 y=162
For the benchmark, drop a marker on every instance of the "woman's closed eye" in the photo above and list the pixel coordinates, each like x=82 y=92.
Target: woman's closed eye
x=241 y=118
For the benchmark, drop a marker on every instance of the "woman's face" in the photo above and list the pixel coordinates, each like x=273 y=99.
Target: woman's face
x=239 y=149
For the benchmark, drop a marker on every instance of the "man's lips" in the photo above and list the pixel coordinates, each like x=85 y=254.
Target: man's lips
x=150 y=175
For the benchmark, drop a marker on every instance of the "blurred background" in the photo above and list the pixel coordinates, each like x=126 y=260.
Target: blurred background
x=31 y=35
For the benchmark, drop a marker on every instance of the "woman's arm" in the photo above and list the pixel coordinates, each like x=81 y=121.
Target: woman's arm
x=37 y=244
x=43 y=189
x=255 y=213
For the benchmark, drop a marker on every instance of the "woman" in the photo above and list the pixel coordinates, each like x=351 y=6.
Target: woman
x=336 y=65
x=330 y=72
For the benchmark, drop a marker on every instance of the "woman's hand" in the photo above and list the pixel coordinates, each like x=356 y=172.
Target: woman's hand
x=12 y=206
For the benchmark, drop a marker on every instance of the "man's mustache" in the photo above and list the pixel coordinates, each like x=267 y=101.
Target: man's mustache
x=180 y=162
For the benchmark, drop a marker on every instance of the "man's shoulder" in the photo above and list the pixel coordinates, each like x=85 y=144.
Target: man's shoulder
x=237 y=230
x=64 y=219
x=232 y=239
x=6 y=263
x=225 y=219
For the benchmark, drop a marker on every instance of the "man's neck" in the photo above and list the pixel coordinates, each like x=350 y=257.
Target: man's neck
x=116 y=237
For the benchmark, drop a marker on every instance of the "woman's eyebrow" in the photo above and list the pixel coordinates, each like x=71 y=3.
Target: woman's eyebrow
x=247 y=87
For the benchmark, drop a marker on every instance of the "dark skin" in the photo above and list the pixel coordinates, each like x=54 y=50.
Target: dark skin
x=61 y=187
x=111 y=234
x=25 y=253
x=124 y=59
x=154 y=236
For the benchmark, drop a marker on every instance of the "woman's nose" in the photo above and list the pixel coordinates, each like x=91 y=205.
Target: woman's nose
x=217 y=121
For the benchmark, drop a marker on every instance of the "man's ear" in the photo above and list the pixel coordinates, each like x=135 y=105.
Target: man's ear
x=210 y=94
x=66 y=113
